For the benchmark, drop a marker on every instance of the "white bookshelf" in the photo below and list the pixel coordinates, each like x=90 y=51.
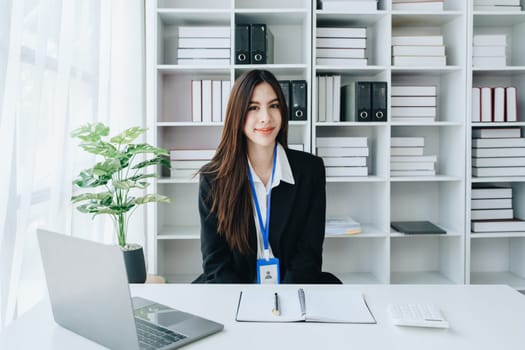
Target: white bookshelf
x=378 y=254
x=174 y=245
x=497 y=257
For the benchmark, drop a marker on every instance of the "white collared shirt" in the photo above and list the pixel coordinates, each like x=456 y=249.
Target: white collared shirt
x=283 y=172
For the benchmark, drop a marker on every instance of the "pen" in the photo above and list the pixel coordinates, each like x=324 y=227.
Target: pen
x=276 y=311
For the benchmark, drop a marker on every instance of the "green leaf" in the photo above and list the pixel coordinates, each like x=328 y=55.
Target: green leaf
x=101 y=197
x=145 y=148
x=106 y=211
x=128 y=135
x=91 y=132
x=88 y=179
x=107 y=168
x=152 y=198
x=142 y=177
x=128 y=184
x=154 y=161
x=98 y=209
x=123 y=208
x=93 y=208
x=101 y=148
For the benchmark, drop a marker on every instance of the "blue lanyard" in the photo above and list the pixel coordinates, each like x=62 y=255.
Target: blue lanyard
x=264 y=228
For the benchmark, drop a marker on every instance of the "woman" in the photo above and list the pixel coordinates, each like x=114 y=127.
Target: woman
x=253 y=174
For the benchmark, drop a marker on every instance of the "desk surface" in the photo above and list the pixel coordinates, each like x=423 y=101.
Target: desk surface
x=480 y=317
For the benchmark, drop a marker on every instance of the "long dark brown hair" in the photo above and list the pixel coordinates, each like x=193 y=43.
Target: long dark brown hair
x=230 y=189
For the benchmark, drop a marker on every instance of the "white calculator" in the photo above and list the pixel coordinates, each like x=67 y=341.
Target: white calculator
x=417 y=315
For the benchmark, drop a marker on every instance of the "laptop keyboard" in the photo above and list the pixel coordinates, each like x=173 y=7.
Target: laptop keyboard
x=154 y=337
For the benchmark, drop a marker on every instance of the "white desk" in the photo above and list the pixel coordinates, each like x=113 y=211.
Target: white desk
x=481 y=317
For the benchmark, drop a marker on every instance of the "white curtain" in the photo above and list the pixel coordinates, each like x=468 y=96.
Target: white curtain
x=63 y=63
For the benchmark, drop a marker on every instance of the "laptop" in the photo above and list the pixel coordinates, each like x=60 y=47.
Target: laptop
x=89 y=295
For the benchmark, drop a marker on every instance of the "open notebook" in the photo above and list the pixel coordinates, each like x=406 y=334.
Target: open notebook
x=310 y=305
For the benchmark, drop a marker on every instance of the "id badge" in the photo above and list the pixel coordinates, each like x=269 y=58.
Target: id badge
x=268 y=271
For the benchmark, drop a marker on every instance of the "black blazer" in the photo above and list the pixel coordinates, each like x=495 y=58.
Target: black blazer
x=297 y=229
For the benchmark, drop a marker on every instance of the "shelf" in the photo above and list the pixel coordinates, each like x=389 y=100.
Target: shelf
x=423 y=19
x=498 y=179
x=281 y=17
x=368 y=231
x=190 y=17
x=298 y=123
x=425 y=70
x=174 y=124
x=271 y=5
x=351 y=15
x=497 y=19
x=344 y=17
x=378 y=254
x=351 y=71
x=204 y=5
x=503 y=71
x=209 y=69
x=396 y=234
x=499 y=277
x=167 y=180
x=436 y=123
x=370 y=178
x=419 y=277
x=475 y=235
x=493 y=125
x=290 y=68
x=437 y=178
x=358 y=278
x=357 y=124
x=179 y=232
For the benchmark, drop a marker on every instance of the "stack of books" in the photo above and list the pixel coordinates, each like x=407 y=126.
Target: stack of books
x=343 y=156
x=203 y=45
x=348 y=5
x=497 y=5
x=342 y=226
x=338 y=46
x=209 y=99
x=491 y=203
x=417 y=5
x=492 y=210
x=418 y=50
x=498 y=152
x=186 y=163
x=328 y=98
x=489 y=50
x=414 y=103
x=407 y=159
x=494 y=104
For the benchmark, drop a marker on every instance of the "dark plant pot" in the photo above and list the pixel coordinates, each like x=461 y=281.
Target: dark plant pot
x=135 y=264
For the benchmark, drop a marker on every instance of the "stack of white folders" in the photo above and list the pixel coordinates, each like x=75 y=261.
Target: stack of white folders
x=407 y=157
x=343 y=156
x=418 y=50
x=202 y=45
x=489 y=50
x=186 y=163
x=414 y=104
x=417 y=5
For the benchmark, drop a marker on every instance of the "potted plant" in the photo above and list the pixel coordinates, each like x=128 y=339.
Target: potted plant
x=115 y=179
